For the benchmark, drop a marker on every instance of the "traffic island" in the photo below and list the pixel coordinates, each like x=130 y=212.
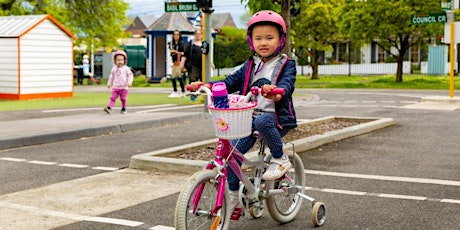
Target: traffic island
x=169 y=160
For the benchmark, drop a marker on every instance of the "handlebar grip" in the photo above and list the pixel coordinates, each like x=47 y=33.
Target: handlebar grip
x=281 y=91
x=191 y=87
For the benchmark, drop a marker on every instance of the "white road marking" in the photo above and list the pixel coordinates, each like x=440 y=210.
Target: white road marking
x=12 y=159
x=105 y=168
x=405 y=197
x=68 y=165
x=450 y=201
x=74 y=165
x=42 y=162
x=386 y=178
x=383 y=195
x=71 y=216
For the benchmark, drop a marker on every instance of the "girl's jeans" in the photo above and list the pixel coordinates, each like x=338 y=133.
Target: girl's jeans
x=266 y=125
x=122 y=93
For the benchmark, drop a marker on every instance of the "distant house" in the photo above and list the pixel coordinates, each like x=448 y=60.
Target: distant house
x=219 y=20
x=139 y=25
x=37 y=58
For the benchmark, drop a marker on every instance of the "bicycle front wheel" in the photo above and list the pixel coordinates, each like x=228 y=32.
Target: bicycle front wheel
x=189 y=216
x=284 y=207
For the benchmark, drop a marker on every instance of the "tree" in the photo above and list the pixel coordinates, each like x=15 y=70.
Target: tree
x=387 y=23
x=317 y=29
x=230 y=47
x=94 y=22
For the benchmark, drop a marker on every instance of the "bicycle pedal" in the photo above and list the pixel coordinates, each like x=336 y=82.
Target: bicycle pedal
x=237 y=213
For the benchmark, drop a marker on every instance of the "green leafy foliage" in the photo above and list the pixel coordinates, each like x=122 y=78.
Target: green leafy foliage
x=387 y=23
x=231 y=48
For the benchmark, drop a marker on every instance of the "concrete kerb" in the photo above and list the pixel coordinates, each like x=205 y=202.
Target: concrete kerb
x=443 y=99
x=72 y=134
x=155 y=161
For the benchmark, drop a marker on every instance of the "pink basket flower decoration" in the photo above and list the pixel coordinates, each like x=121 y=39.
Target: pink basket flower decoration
x=221 y=125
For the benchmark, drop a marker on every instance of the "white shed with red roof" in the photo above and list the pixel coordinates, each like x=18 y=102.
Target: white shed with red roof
x=36 y=60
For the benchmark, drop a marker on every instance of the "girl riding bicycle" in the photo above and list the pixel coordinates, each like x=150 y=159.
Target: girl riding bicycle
x=268 y=69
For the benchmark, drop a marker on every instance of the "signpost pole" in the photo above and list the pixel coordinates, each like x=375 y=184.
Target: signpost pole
x=452 y=50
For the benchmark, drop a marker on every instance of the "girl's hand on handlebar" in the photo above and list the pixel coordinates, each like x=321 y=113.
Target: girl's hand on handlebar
x=266 y=89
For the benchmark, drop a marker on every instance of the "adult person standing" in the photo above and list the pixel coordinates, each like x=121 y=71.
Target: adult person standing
x=176 y=50
x=192 y=58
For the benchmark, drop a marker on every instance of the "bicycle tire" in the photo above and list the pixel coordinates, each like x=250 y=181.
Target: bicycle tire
x=283 y=208
x=184 y=219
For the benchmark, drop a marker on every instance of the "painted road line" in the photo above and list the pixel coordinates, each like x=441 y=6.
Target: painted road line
x=74 y=165
x=386 y=178
x=12 y=159
x=42 y=162
x=404 y=197
x=105 y=168
x=383 y=195
x=450 y=201
x=68 y=165
x=48 y=212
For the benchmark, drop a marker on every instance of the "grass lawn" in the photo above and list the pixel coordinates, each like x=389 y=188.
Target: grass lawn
x=87 y=99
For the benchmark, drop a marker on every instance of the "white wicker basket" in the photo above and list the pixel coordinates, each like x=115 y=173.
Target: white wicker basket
x=234 y=122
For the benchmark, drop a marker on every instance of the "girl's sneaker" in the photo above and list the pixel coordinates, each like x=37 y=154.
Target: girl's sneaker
x=278 y=167
x=123 y=111
x=108 y=110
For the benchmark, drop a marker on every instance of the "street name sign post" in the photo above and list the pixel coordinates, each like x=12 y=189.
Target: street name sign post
x=446 y=4
x=181 y=7
x=438 y=17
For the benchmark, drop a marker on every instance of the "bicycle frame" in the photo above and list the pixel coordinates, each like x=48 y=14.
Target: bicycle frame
x=224 y=156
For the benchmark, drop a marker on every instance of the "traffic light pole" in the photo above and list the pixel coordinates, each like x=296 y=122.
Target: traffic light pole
x=452 y=50
x=207 y=43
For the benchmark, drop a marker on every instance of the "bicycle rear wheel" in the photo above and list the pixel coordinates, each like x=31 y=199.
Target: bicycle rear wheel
x=284 y=207
x=185 y=219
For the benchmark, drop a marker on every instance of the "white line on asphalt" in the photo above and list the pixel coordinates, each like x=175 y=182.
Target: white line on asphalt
x=170 y=108
x=68 y=165
x=12 y=159
x=48 y=212
x=105 y=168
x=450 y=201
x=42 y=162
x=383 y=195
x=405 y=197
x=73 y=165
x=387 y=178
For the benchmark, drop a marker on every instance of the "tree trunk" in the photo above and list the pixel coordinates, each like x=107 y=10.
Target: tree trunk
x=286 y=14
x=399 y=73
x=314 y=64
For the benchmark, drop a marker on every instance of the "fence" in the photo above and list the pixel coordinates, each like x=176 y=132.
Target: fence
x=339 y=69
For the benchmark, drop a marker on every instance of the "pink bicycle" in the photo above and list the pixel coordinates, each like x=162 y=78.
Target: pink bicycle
x=202 y=204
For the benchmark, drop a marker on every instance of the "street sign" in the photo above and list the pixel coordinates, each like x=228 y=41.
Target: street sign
x=181 y=7
x=439 y=17
x=446 y=4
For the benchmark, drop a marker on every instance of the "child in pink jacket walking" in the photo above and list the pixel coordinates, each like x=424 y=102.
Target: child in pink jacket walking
x=120 y=79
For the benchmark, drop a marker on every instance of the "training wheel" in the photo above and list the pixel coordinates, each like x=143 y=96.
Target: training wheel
x=256 y=210
x=318 y=214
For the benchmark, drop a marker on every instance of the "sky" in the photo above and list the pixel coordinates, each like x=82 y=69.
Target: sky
x=156 y=7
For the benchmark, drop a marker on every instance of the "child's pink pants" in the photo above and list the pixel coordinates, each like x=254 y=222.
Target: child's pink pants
x=122 y=93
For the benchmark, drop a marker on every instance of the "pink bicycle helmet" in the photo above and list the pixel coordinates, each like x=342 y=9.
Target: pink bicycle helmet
x=120 y=52
x=267 y=17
